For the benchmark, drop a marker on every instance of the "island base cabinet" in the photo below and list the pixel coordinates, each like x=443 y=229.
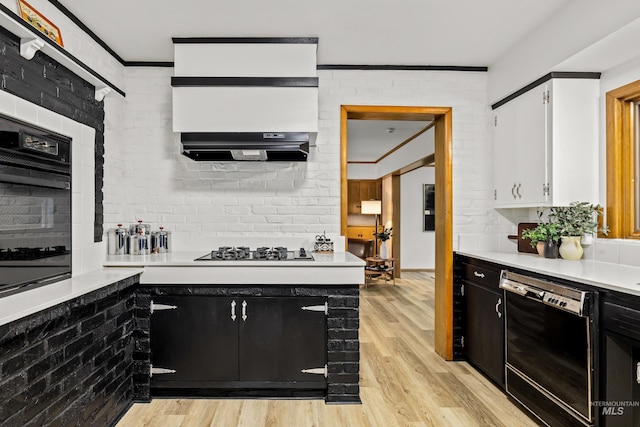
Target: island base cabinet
x=193 y=339
x=280 y=338
x=201 y=343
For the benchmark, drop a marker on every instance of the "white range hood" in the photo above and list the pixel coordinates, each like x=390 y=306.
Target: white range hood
x=253 y=98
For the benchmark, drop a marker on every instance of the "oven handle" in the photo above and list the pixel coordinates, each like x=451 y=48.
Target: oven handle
x=522 y=289
x=38 y=182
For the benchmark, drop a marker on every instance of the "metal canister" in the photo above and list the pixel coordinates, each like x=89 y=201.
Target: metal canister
x=135 y=228
x=160 y=241
x=139 y=244
x=118 y=241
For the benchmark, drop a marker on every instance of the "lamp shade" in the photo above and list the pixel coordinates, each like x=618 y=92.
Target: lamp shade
x=371 y=207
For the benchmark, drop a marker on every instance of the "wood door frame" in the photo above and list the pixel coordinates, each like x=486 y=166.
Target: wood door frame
x=442 y=116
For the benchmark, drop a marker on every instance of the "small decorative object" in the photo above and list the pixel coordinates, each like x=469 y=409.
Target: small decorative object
x=383 y=236
x=551 y=248
x=384 y=250
x=541 y=235
x=38 y=21
x=570 y=248
x=322 y=244
x=574 y=221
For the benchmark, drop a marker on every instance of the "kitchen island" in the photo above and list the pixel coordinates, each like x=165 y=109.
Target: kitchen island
x=250 y=328
x=338 y=268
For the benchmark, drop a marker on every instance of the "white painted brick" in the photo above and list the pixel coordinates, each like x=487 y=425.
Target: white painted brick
x=255 y=199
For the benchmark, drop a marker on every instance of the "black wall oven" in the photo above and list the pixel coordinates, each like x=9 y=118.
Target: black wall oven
x=35 y=207
x=549 y=340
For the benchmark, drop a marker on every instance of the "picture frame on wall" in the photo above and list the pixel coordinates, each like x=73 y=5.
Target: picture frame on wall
x=429 y=205
x=40 y=22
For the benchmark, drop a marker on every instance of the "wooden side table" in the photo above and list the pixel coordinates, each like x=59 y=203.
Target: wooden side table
x=377 y=267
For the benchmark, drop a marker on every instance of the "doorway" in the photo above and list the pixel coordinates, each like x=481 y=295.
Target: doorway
x=442 y=118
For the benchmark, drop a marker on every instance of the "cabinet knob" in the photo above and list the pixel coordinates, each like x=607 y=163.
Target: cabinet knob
x=233 y=311
x=518 y=190
x=513 y=190
x=244 y=311
x=480 y=275
x=498 y=308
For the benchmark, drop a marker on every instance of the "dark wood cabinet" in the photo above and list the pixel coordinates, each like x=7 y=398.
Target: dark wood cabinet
x=279 y=339
x=620 y=367
x=483 y=316
x=358 y=190
x=484 y=336
x=238 y=342
x=195 y=337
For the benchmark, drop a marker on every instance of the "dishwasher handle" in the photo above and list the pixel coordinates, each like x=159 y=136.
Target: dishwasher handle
x=522 y=289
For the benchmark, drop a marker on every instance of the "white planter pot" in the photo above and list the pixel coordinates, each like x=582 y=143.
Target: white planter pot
x=570 y=247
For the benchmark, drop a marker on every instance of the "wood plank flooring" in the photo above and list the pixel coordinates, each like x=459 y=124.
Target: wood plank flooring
x=403 y=382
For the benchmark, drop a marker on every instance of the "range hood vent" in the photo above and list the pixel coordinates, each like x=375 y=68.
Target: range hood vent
x=246 y=146
x=245 y=98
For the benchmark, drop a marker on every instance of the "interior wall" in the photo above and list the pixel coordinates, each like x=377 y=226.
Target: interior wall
x=208 y=204
x=416 y=245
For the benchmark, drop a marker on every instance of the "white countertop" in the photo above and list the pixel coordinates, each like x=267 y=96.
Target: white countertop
x=616 y=277
x=17 y=306
x=338 y=268
x=187 y=259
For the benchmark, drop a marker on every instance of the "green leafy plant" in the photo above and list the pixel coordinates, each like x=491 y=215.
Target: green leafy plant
x=577 y=219
x=384 y=234
x=542 y=233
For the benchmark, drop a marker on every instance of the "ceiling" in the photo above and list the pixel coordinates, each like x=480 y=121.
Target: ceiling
x=369 y=140
x=352 y=32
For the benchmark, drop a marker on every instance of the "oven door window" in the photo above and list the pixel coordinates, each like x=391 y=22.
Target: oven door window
x=35 y=226
x=552 y=348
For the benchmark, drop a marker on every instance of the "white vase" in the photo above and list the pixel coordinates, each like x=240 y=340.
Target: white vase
x=570 y=247
x=384 y=250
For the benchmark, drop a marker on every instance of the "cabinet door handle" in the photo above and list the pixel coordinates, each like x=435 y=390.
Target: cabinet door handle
x=233 y=311
x=638 y=372
x=498 y=308
x=480 y=275
x=244 y=311
x=513 y=190
x=518 y=190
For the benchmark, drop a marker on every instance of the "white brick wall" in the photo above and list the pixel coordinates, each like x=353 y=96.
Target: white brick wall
x=206 y=204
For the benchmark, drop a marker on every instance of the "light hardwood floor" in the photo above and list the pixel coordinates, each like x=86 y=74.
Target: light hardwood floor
x=403 y=382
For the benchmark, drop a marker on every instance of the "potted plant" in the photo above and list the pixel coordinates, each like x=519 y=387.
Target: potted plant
x=383 y=236
x=575 y=221
x=545 y=235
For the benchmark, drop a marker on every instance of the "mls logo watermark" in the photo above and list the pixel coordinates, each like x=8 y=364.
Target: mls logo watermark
x=615 y=408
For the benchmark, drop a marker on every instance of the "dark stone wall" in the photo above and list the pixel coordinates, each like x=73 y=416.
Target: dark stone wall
x=70 y=365
x=48 y=84
x=343 y=321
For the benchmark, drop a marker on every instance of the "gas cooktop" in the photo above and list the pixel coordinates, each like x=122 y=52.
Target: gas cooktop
x=244 y=253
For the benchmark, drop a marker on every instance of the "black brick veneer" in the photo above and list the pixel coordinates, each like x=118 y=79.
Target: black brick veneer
x=70 y=365
x=343 y=349
x=48 y=84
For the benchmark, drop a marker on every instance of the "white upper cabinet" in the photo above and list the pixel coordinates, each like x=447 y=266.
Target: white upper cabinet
x=546 y=145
